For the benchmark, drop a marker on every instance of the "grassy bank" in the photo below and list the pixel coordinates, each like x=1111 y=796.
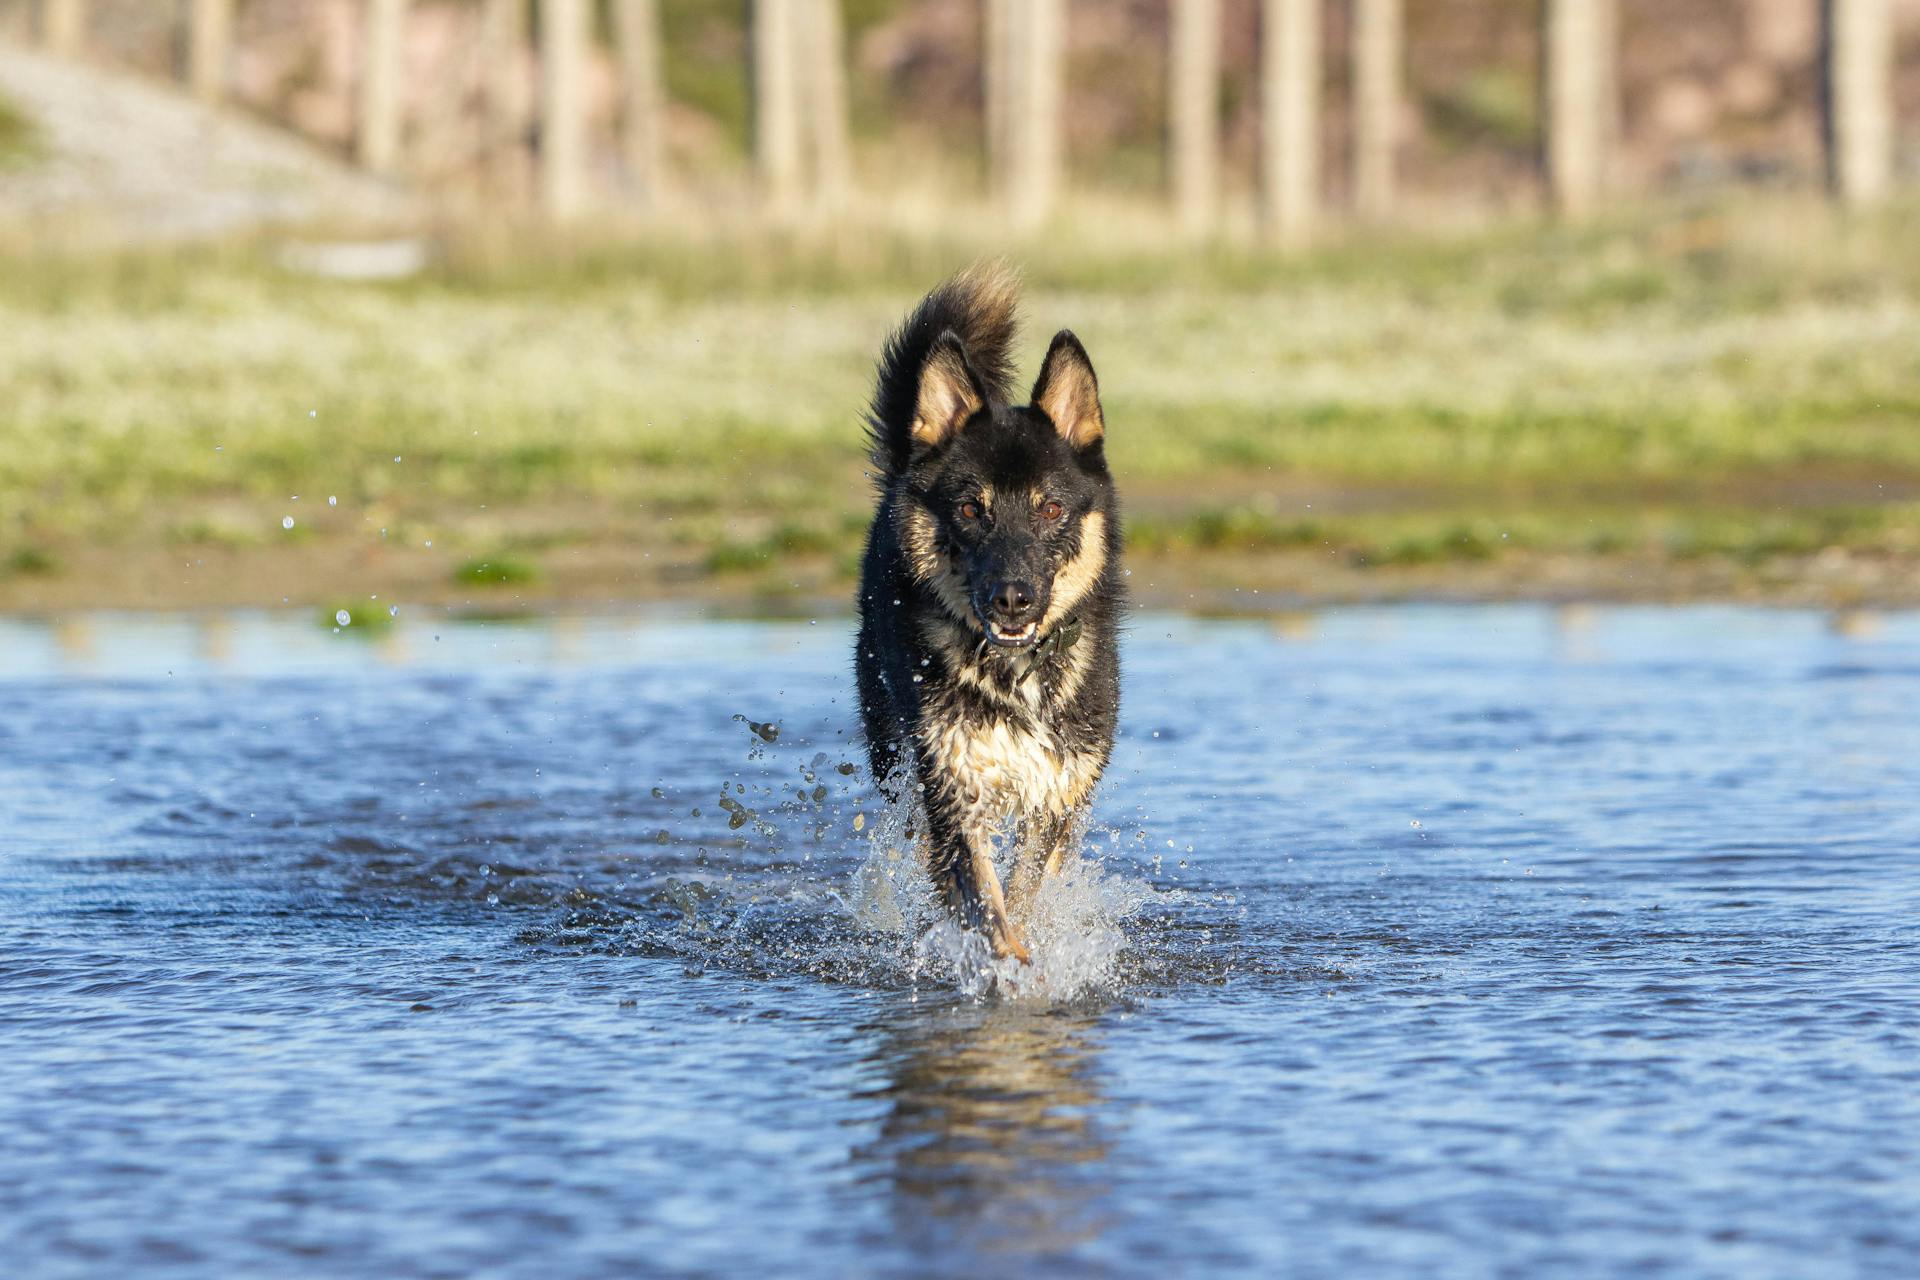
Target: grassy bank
x=1728 y=392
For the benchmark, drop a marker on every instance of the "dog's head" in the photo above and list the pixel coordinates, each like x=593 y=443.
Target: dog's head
x=1009 y=511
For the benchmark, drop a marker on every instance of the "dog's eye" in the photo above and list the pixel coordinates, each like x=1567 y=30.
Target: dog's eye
x=970 y=510
x=1052 y=510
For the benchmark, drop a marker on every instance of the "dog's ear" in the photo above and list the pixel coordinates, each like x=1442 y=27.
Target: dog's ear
x=1068 y=393
x=950 y=392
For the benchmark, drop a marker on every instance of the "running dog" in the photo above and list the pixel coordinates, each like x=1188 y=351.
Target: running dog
x=990 y=596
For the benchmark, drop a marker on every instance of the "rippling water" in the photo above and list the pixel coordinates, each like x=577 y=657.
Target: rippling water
x=1411 y=941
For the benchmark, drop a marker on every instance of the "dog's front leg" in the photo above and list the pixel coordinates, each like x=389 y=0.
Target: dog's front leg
x=960 y=860
x=1041 y=854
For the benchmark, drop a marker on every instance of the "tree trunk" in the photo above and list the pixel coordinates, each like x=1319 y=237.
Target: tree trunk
x=210 y=43
x=63 y=27
x=1858 y=92
x=643 y=99
x=776 y=104
x=1193 y=114
x=564 y=36
x=509 y=104
x=1377 y=42
x=1290 y=117
x=824 y=75
x=1578 y=48
x=1036 y=118
x=1000 y=93
x=382 y=64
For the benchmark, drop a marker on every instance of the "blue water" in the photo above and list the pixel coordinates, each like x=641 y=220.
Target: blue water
x=1413 y=942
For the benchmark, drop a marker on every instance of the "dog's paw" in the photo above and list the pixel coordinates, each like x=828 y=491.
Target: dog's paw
x=1007 y=943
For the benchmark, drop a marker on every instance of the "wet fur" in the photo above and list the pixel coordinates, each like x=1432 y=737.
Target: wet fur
x=1000 y=742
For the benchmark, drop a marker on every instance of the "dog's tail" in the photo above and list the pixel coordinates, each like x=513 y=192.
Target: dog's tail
x=978 y=306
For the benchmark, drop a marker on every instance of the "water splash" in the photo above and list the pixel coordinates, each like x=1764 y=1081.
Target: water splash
x=1074 y=925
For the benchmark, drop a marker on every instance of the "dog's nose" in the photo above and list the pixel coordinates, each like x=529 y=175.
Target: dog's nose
x=1012 y=599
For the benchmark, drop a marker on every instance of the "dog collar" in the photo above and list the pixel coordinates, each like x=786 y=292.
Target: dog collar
x=1055 y=646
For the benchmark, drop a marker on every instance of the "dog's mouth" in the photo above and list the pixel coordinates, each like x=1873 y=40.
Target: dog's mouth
x=1012 y=637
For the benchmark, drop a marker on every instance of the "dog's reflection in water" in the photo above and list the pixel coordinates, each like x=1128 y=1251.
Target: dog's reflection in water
x=992 y=1137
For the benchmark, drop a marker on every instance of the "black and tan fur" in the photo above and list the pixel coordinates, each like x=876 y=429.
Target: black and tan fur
x=990 y=595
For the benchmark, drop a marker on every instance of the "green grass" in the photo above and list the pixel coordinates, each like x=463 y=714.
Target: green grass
x=364 y=618
x=19 y=138
x=1706 y=358
x=1444 y=536
x=497 y=571
x=29 y=561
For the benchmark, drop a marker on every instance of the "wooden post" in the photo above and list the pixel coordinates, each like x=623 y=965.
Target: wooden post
x=643 y=99
x=776 y=104
x=1858 y=93
x=63 y=27
x=1378 y=31
x=824 y=77
x=509 y=105
x=1577 y=50
x=382 y=66
x=1290 y=117
x=1036 y=117
x=1193 y=111
x=564 y=36
x=210 y=42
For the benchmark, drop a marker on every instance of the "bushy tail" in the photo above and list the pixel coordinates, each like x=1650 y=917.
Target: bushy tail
x=979 y=306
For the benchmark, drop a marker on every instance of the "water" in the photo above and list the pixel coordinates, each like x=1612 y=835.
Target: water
x=1418 y=942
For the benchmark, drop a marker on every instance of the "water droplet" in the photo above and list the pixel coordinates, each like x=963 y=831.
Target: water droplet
x=344 y=618
x=393 y=611
x=332 y=501
x=486 y=868
x=286 y=522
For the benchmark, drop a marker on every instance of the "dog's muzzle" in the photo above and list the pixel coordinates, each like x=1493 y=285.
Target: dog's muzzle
x=1010 y=615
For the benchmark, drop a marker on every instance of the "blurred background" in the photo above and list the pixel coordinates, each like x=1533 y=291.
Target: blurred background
x=503 y=303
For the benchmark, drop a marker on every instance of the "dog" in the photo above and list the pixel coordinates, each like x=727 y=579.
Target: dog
x=991 y=596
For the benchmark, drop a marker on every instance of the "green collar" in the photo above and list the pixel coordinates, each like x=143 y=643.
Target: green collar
x=1055 y=646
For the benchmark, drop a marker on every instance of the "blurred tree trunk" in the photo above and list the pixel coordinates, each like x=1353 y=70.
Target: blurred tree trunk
x=1578 y=83
x=382 y=63
x=1858 y=97
x=1039 y=50
x=1000 y=70
x=565 y=33
x=776 y=103
x=509 y=105
x=824 y=78
x=210 y=44
x=643 y=99
x=63 y=26
x=1290 y=118
x=1378 y=32
x=1193 y=95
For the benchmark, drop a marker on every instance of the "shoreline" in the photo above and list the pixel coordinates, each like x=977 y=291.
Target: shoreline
x=335 y=574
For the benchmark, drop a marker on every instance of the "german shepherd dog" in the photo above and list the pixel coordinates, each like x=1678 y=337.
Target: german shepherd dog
x=990 y=596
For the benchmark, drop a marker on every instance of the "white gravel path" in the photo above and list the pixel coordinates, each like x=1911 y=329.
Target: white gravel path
x=141 y=160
